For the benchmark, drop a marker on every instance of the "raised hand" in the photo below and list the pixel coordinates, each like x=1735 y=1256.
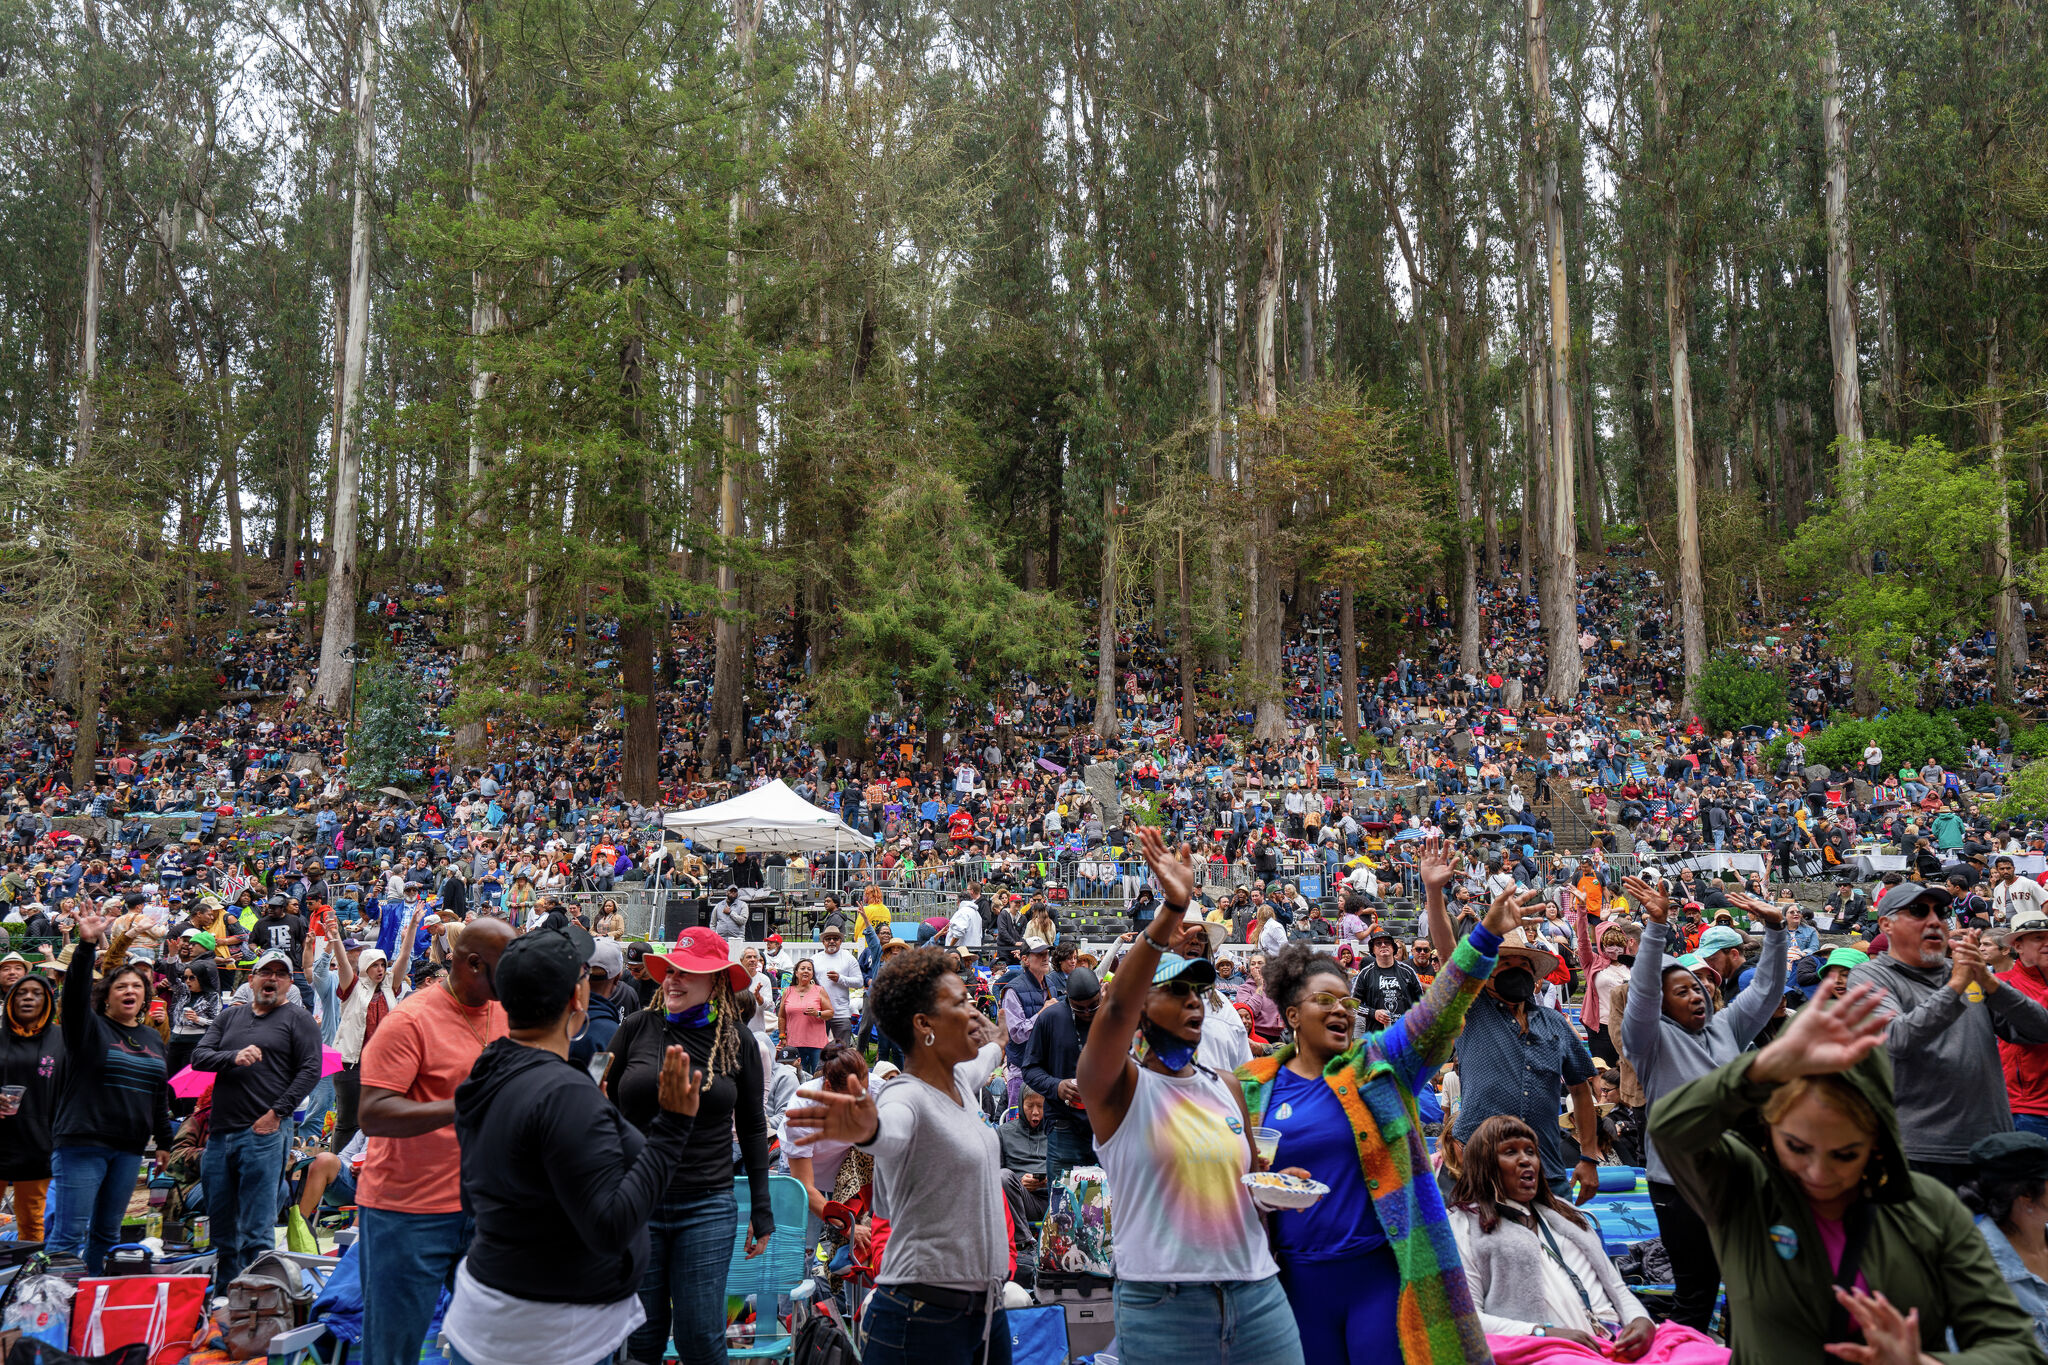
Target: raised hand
x=1655 y=903
x=1176 y=876
x=841 y=1118
x=92 y=925
x=1506 y=911
x=681 y=1085
x=1434 y=866
x=1889 y=1337
x=1826 y=1037
x=1773 y=916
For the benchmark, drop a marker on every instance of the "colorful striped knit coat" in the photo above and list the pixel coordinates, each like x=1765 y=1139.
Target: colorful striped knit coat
x=1375 y=1083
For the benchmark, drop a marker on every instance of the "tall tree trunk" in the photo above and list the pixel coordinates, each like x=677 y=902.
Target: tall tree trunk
x=1685 y=485
x=338 y=635
x=1263 y=612
x=728 y=678
x=1105 y=610
x=466 y=36
x=1212 y=371
x=1848 y=386
x=640 y=761
x=2006 y=619
x=1560 y=600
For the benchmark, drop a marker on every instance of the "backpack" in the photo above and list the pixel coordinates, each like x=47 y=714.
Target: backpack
x=822 y=1341
x=267 y=1300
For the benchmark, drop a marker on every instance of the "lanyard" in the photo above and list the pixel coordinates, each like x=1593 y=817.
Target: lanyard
x=1551 y=1249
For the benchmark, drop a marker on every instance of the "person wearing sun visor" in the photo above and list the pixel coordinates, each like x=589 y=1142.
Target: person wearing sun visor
x=1671 y=1034
x=1947 y=1013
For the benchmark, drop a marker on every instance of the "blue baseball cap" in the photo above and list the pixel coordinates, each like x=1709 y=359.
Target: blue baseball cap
x=1197 y=971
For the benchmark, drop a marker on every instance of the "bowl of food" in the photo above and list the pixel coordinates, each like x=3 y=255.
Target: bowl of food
x=1274 y=1190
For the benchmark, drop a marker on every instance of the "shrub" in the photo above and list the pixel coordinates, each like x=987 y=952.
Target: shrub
x=1908 y=738
x=1733 y=692
x=2031 y=743
x=2026 y=795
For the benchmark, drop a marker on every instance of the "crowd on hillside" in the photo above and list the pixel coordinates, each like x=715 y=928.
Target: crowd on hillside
x=1366 y=1028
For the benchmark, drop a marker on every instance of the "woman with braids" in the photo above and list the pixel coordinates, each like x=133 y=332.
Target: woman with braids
x=1371 y=1270
x=937 y=1170
x=2010 y=1198
x=1537 y=1268
x=691 y=1231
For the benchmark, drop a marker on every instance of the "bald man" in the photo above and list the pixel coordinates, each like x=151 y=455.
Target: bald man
x=410 y=1191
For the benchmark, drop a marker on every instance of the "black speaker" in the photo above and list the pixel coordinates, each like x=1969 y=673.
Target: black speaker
x=683 y=914
x=760 y=921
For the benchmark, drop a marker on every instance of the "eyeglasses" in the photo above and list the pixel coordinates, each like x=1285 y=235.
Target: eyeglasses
x=1180 y=990
x=1332 y=1001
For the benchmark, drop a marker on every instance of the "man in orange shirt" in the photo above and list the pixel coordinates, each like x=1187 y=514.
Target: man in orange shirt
x=410 y=1191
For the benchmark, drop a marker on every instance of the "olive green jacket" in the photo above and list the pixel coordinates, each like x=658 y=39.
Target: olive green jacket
x=1922 y=1250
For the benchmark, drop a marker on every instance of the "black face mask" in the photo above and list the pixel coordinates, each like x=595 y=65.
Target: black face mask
x=1516 y=985
x=1625 y=959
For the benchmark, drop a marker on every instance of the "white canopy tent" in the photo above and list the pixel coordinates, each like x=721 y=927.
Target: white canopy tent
x=770 y=819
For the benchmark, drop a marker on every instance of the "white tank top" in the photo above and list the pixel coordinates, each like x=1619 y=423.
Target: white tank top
x=1178 y=1212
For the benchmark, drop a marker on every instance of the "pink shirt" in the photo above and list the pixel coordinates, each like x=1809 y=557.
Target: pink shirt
x=1834 y=1239
x=801 y=1028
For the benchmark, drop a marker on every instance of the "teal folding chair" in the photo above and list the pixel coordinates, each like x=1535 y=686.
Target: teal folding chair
x=769 y=1277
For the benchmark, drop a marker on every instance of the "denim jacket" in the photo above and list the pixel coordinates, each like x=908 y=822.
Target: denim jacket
x=2027 y=1287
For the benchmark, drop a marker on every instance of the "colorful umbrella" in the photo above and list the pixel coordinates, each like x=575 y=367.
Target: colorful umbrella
x=190 y=1085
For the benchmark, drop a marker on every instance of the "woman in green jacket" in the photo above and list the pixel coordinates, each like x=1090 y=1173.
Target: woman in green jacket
x=1792 y=1157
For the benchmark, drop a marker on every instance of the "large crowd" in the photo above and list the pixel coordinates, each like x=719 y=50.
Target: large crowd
x=1350 y=1037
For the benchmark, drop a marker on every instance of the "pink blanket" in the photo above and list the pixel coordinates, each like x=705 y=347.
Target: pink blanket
x=1674 y=1345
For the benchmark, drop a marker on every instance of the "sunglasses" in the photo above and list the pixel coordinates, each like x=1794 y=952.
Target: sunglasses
x=1179 y=990
x=1329 y=1000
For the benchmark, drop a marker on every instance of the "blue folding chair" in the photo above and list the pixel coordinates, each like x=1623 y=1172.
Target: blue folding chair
x=769 y=1277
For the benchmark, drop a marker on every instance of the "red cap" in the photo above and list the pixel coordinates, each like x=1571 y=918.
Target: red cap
x=699 y=950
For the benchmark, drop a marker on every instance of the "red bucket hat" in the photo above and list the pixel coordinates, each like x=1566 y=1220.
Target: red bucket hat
x=699 y=950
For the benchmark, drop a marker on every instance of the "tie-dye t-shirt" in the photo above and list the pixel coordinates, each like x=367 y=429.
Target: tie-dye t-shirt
x=1174 y=1165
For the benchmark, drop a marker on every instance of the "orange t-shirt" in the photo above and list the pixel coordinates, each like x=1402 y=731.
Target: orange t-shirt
x=423 y=1050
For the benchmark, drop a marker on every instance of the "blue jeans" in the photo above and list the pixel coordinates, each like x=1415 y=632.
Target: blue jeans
x=2031 y=1123
x=1064 y=1148
x=1237 y=1322
x=89 y=1192
x=901 y=1329
x=241 y=1169
x=690 y=1240
x=407 y=1259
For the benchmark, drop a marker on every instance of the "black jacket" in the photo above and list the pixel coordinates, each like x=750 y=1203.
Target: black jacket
x=560 y=1185
x=33 y=1060
x=1051 y=1055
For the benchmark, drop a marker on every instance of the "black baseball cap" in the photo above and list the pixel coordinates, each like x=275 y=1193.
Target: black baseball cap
x=537 y=973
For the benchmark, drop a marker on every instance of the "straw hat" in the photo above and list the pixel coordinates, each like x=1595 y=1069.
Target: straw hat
x=1517 y=941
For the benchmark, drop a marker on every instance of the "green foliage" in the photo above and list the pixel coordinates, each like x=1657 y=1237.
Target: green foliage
x=1932 y=516
x=1908 y=739
x=1733 y=692
x=929 y=617
x=2026 y=795
x=163 y=698
x=2031 y=743
x=387 y=736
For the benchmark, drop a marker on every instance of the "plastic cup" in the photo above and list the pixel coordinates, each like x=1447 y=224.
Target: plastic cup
x=10 y=1099
x=1266 y=1141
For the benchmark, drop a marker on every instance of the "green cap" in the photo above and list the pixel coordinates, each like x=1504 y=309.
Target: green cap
x=1847 y=957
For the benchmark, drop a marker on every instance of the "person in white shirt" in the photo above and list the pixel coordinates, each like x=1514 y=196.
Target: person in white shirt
x=2013 y=895
x=964 y=931
x=839 y=973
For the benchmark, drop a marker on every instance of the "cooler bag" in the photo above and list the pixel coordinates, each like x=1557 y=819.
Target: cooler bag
x=160 y=1312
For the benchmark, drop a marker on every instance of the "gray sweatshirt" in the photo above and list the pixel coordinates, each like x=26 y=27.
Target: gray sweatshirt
x=1946 y=1075
x=1664 y=1052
